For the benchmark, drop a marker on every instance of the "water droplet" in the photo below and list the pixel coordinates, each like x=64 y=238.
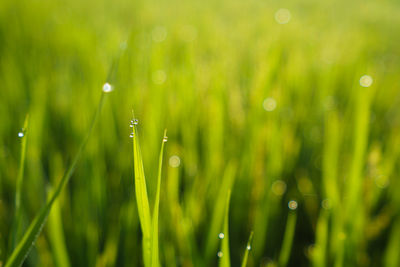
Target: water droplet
x=282 y=16
x=131 y=135
x=159 y=34
x=292 y=204
x=123 y=45
x=366 y=81
x=279 y=187
x=326 y=204
x=248 y=247
x=221 y=235
x=174 y=161
x=21 y=134
x=107 y=88
x=269 y=104
x=159 y=77
x=220 y=254
x=165 y=139
x=381 y=181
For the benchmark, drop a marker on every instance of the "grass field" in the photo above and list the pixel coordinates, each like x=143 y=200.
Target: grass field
x=283 y=120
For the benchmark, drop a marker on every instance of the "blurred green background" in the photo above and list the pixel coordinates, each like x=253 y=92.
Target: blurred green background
x=261 y=96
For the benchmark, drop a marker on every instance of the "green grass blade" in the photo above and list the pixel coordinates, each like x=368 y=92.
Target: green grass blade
x=246 y=252
x=154 y=233
x=141 y=197
x=17 y=223
x=218 y=212
x=22 y=250
x=56 y=236
x=225 y=256
x=288 y=239
x=320 y=250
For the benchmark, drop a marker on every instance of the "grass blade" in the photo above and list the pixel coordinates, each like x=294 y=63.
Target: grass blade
x=154 y=233
x=218 y=212
x=246 y=252
x=16 y=227
x=141 y=196
x=24 y=246
x=225 y=256
x=288 y=239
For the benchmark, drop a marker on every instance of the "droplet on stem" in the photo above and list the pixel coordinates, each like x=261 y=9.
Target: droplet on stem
x=107 y=88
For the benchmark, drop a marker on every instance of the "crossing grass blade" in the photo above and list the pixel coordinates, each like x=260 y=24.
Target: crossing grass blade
x=28 y=240
x=154 y=240
x=16 y=228
x=141 y=197
x=225 y=258
x=246 y=252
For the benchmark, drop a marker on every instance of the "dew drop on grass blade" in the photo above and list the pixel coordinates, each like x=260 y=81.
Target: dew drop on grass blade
x=154 y=239
x=141 y=196
x=17 y=224
x=224 y=255
x=28 y=240
x=247 y=250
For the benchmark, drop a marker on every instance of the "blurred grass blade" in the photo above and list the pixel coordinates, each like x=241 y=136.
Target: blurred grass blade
x=141 y=196
x=246 y=252
x=392 y=257
x=288 y=239
x=56 y=236
x=154 y=238
x=225 y=256
x=320 y=250
x=21 y=252
x=218 y=212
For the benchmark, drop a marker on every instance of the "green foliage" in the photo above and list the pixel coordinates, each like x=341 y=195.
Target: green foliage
x=267 y=98
x=149 y=224
x=28 y=240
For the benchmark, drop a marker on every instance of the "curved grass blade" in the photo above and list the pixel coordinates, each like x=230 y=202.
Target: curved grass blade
x=225 y=256
x=24 y=246
x=141 y=197
x=246 y=252
x=154 y=240
x=16 y=227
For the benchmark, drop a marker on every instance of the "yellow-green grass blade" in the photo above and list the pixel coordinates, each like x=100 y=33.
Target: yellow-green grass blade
x=56 y=236
x=392 y=257
x=141 y=197
x=218 y=212
x=288 y=239
x=17 y=224
x=320 y=251
x=224 y=254
x=247 y=250
x=154 y=233
x=24 y=246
